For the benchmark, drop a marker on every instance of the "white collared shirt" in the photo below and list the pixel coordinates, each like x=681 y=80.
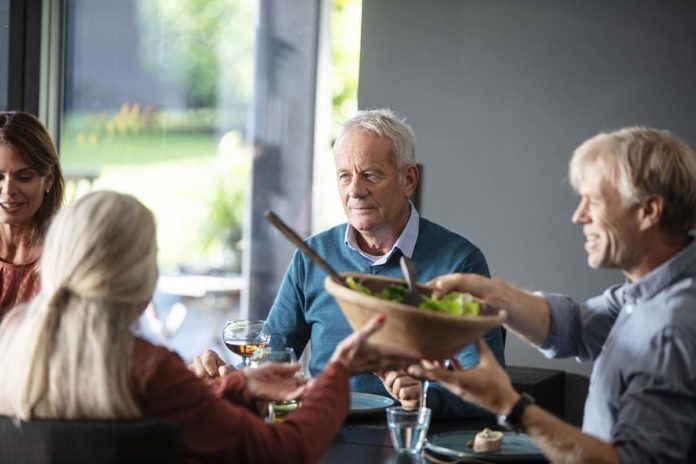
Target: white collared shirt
x=405 y=243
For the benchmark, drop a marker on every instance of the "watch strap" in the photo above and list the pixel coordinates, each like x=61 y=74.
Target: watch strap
x=513 y=420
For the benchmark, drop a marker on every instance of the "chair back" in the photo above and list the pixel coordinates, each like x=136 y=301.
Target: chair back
x=50 y=441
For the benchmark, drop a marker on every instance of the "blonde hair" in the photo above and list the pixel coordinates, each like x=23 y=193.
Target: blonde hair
x=642 y=163
x=68 y=353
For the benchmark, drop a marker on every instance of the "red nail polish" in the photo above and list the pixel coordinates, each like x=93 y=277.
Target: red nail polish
x=381 y=318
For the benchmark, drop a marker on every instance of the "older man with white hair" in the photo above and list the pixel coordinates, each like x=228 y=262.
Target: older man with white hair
x=376 y=174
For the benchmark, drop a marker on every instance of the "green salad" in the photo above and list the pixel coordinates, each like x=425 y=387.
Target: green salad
x=456 y=303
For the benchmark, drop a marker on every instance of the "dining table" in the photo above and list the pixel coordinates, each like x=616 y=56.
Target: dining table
x=365 y=439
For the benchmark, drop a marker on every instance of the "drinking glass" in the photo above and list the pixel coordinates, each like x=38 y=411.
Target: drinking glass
x=275 y=411
x=408 y=428
x=244 y=337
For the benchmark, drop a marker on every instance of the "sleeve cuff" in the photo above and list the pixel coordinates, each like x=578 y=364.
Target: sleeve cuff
x=559 y=332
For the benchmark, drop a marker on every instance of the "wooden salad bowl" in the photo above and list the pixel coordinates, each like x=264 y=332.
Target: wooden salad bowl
x=435 y=335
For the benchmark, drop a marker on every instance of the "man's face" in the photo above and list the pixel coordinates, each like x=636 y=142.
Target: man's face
x=372 y=194
x=611 y=227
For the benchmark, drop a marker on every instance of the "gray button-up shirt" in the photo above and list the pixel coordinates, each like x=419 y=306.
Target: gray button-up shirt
x=642 y=337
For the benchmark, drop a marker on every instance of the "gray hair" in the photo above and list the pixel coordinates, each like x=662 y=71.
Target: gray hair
x=642 y=163
x=385 y=123
x=68 y=353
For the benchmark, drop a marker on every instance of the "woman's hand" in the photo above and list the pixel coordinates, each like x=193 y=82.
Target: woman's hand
x=274 y=382
x=486 y=385
x=359 y=356
x=402 y=387
x=209 y=365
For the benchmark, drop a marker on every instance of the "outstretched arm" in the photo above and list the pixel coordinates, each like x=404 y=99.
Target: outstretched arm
x=528 y=315
x=488 y=386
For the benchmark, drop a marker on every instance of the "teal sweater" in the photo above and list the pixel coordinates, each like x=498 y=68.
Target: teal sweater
x=304 y=311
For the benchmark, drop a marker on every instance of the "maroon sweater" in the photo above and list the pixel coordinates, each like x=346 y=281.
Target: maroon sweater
x=19 y=283
x=216 y=419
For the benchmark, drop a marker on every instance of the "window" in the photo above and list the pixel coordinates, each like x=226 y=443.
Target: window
x=205 y=111
x=157 y=96
x=156 y=102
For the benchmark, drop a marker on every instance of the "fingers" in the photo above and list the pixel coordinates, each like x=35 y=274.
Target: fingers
x=409 y=393
x=485 y=353
x=211 y=362
x=273 y=370
x=422 y=372
x=401 y=386
x=437 y=374
x=389 y=379
x=286 y=369
x=372 y=326
x=447 y=283
x=207 y=365
x=295 y=394
x=197 y=368
x=225 y=370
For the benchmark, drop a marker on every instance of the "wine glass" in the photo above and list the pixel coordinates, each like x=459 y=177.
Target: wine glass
x=243 y=337
x=275 y=411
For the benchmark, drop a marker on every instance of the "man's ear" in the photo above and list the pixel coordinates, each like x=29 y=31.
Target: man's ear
x=411 y=177
x=651 y=212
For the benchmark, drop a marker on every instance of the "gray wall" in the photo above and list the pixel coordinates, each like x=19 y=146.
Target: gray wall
x=499 y=94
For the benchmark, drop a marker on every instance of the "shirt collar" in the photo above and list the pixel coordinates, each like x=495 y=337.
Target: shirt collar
x=405 y=243
x=683 y=263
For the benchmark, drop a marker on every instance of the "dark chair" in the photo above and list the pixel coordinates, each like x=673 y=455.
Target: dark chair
x=43 y=441
x=547 y=386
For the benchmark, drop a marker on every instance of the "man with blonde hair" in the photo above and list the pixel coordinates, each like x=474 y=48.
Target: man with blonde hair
x=637 y=209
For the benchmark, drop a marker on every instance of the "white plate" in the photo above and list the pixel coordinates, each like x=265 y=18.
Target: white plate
x=366 y=403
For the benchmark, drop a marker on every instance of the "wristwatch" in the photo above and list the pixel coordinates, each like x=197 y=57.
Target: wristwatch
x=513 y=421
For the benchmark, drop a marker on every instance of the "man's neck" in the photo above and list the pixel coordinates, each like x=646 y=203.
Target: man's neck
x=659 y=249
x=379 y=242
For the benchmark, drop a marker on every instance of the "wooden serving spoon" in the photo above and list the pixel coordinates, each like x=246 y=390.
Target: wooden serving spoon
x=306 y=249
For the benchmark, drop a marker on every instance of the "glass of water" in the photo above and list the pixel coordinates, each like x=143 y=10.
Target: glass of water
x=275 y=411
x=408 y=428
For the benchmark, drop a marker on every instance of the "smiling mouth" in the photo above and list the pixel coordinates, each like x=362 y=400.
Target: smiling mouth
x=8 y=205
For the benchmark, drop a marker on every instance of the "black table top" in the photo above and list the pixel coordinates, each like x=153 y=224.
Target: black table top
x=366 y=439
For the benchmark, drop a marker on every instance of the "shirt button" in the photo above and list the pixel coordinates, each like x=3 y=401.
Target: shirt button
x=629 y=308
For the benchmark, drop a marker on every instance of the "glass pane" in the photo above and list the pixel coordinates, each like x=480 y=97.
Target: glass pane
x=157 y=94
x=341 y=76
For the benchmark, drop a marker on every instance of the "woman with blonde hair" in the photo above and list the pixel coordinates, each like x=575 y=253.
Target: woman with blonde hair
x=31 y=191
x=71 y=354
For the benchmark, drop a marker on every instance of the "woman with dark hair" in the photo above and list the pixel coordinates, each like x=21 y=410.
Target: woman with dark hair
x=31 y=192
